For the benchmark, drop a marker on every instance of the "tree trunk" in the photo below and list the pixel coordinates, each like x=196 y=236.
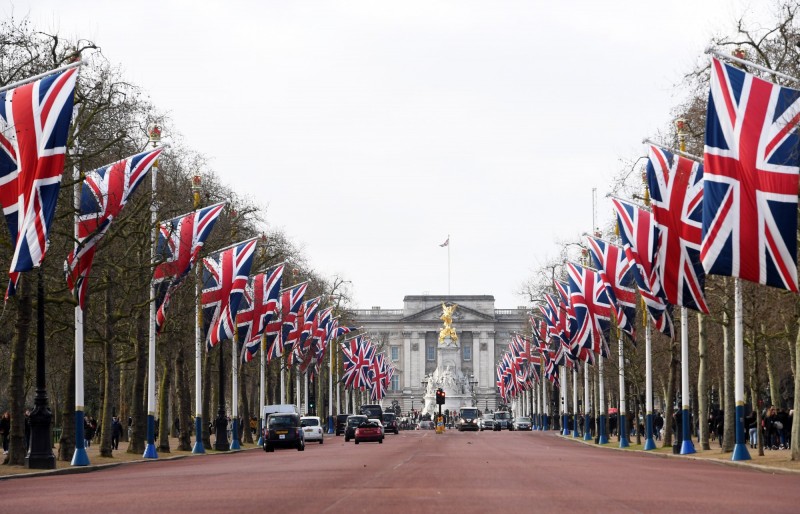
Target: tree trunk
x=124 y=409
x=792 y=351
x=138 y=414
x=729 y=404
x=247 y=433
x=66 y=445
x=108 y=371
x=207 y=364
x=796 y=425
x=755 y=388
x=16 y=448
x=774 y=386
x=702 y=388
x=163 y=409
x=184 y=401
x=674 y=362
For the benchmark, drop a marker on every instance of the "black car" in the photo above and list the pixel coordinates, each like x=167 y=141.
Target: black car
x=283 y=431
x=352 y=423
x=390 y=423
x=341 y=423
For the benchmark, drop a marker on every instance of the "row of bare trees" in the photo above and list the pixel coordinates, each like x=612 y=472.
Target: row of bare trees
x=110 y=122
x=772 y=331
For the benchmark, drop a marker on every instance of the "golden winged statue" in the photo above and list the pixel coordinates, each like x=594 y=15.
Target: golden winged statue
x=448 y=330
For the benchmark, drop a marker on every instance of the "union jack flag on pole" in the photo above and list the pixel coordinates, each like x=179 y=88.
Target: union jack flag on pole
x=179 y=243
x=104 y=193
x=291 y=302
x=617 y=272
x=594 y=304
x=676 y=189
x=225 y=276
x=639 y=235
x=262 y=301
x=34 y=125
x=751 y=179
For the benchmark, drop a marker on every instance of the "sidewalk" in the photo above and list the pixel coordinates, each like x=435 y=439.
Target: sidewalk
x=774 y=461
x=97 y=462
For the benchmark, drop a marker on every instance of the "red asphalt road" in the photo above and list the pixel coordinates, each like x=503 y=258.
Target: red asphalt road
x=414 y=472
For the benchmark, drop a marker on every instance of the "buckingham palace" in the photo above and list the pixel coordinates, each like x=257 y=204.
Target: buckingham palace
x=409 y=338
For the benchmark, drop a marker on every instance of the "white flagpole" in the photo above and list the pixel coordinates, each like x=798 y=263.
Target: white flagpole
x=622 y=427
x=745 y=62
x=79 y=457
x=262 y=392
x=331 y=428
x=305 y=394
x=586 y=435
x=740 y=448
x=198 y=366
x=687 y=446
x=564 y=400
x=575 y=401
x=602 y=407
x=283 y=380
x=33 y=78
x=649 y=443
x=150 y=448
x=297 y=389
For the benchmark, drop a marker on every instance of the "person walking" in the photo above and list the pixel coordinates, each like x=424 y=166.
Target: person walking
x=116 y=432
x=5 y=430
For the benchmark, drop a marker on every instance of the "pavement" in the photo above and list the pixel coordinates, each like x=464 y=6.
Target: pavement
x=417 y=471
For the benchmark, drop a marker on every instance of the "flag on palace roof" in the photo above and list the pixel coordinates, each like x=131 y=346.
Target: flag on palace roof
x=676 y=190
x=179 y=243
x=34 y=126
x=225 y=275
x=639 y=235
x=750 y=179
x=104 y=193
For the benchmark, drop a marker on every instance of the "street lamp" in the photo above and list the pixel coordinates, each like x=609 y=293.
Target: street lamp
x=412 y=404
x=472 y=383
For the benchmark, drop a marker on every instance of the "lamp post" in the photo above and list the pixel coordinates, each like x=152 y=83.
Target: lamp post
x=412 y=405
x=197 y=188
x=472 y=383
x=221 y=425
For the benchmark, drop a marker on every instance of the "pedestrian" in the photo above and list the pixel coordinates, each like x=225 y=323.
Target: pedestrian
x=116 y=432
x=5 y=430
x=27 y=440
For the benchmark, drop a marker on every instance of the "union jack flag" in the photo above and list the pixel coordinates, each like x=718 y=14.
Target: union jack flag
x=751 y=178
x=676 y=189
x=225 y=276
x=34 y=125
x=617 y=272
x=639 y=235
x=594 y=306
x=262 y=296
x=358 y=354
x=379 y=378
x=104 y=193
x=550 y=367
x=179 y=243
x=291 y=302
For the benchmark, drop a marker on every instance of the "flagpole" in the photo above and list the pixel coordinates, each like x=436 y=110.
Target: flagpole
x=575 y=401
x=154 y=133
x=745 y=62
x=198 y=447
x=564 y=405
x=331 y=428
x=79 y=457
x=602 y=399
x=544 y=401
x=34 y=78
x=297 y=389
x=448 y=264
x=740 y=448
x=687 y=446
x=283 y=377
x=262 y=392
x=649 y=443
x=621 y=416
x=586 y=427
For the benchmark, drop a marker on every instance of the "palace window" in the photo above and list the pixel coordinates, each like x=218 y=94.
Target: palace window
x=430 y=352
x=395 y=353
x=395 y=385
x=467 y=349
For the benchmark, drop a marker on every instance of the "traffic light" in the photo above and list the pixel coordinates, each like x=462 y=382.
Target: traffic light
x=440 y=396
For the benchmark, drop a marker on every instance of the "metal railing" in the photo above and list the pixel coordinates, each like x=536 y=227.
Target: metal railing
x=365 y=313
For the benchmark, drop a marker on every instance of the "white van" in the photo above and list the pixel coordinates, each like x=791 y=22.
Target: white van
x=285 y=408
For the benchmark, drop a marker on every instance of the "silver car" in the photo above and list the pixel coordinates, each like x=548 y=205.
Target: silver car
x=486 y=422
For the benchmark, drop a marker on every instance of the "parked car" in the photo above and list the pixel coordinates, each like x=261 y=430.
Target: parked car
x=341 y=423
x=369 y=430
x=283 y=430
x=426 y=425
x=502 y=420
x=486 y=422
x=312 y=428
x=352 y=423
x=523 y=424
x=467 y=419
x=390 y=423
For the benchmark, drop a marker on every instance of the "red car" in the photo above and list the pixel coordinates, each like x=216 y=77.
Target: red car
x=369 y=431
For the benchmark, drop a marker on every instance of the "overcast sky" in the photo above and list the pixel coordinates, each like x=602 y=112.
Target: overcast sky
x=372 y=129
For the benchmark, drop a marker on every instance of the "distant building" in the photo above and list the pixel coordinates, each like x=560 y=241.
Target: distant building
x=409 y=339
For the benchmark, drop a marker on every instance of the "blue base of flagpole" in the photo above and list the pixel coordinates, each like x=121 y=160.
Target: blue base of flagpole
x=575 y=428
x=687 y=447
x=150 y=447
x=740 y=449
x=587 y=436
x=546 y=423
x=79 y=458
x=623 y=432
x=235 y=434
x=330 y=425
x=649 y=443
x=564 y=425
x=603 y=439
x=198 y=447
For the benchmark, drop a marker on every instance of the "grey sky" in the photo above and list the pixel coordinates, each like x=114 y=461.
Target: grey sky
x=394 y=124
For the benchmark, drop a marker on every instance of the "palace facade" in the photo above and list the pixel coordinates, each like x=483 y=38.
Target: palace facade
x=409 y=338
